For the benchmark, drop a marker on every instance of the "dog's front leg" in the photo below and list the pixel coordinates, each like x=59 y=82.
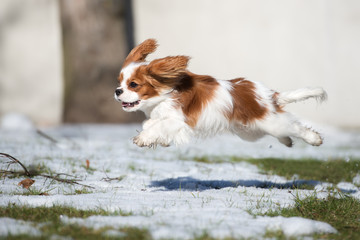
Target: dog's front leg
x=163 y=132
x=151 y=135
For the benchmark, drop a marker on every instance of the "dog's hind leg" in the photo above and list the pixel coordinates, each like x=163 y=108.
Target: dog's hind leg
x=308 y=135
x=284 y=125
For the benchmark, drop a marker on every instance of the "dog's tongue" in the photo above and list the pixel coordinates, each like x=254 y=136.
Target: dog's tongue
x=125 y=104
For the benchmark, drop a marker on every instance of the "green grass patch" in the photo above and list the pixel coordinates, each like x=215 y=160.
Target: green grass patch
x=53 y=225
x=38 y=169
x=32 y=191
x=339 y=210
x=80 y=232
x=89 y=169
x=278 y=235
x=44 y=214
x=83 y=191
x=332 y=171
x=206 y=159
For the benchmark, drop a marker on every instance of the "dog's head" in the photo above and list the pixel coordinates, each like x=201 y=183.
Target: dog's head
x=144 y=84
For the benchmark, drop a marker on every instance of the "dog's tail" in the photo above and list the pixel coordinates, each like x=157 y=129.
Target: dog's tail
x=301 y=94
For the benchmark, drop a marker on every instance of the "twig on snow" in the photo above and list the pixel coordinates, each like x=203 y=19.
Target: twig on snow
x=109 y=179
x=69 y=181
x=27 y=173
x=41 y=133
x=14 y=160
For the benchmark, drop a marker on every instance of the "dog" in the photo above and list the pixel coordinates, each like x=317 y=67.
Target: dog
x=180 y=105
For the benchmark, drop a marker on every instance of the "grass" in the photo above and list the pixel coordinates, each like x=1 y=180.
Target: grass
x=206 y=159
x=53 y=213
x=54 y=226
x=83 y=191
x=32 y=191
x=332 y=171
x=206 y=236
x=279 y=235
x=339 y=210
x=40 y=168
x=80 y=232
x=89 y=169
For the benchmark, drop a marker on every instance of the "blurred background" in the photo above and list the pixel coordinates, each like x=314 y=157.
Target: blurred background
x=59 y=59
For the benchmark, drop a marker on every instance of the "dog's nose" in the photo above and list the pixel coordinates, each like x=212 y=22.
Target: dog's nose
x=118 y=92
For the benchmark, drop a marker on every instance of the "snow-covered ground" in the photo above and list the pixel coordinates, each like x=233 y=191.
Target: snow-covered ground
x=166 y=192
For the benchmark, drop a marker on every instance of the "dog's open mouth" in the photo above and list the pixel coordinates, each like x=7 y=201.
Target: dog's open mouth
x=130 y=104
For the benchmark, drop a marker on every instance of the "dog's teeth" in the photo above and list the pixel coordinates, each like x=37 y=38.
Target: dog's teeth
x=130 y=104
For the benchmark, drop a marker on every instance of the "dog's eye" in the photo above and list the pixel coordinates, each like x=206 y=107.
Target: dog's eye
x=133 y=84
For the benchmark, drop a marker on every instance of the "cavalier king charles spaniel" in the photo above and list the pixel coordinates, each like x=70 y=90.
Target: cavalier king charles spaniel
x=180 y=104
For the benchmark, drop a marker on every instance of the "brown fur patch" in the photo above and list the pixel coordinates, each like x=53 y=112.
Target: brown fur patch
x=169 y=71
x=194 y=94
x=246 y=103
x=121 y=77
x=145 y=88
x=140 y=52
x=168 y=67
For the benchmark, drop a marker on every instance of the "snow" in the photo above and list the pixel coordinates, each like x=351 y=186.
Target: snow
x=229 y=223
x=16 y=121
x=296 y=226
x=9 y=226
x=356 y=179
x=163 y=189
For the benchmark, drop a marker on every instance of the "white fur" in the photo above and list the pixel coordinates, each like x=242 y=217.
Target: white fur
x=212 y=119
x=129 y=69
x=148 y=106
x=166 y=125
x=301 y=95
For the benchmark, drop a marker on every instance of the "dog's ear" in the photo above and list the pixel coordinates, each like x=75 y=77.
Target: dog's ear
x=139 y=53
x=168 y=70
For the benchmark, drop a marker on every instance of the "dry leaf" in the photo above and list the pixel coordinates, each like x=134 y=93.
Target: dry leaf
x=44 y=194
x=87 y=163
x=26 y=183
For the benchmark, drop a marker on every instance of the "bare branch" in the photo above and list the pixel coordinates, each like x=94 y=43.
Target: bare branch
x=108 y=179
x=55 y=177
x=69 y=181
x=41 y=133
x=27 y=173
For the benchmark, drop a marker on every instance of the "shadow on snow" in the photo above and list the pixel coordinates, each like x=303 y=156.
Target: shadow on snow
x=193 y=184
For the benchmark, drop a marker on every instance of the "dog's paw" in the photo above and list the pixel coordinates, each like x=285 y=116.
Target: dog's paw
x=141 y=142
x=146 y=140
x=312 y=137
x=164 y=144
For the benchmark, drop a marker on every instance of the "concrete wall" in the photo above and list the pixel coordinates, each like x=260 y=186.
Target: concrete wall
x=31 y=60
x=284 y=44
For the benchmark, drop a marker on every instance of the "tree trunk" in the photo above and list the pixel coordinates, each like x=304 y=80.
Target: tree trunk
x=94 y=38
